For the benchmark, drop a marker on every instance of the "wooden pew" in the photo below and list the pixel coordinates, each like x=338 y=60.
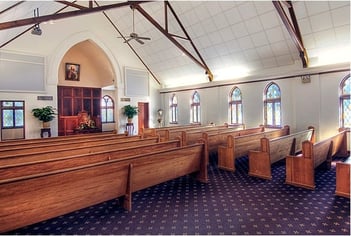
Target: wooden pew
x=171 y=134
x=300 y=169
x=33 y=198
x=67 y=145
x=39 y=154
x=216 y=139
x=52 y=161
x=145 y=132
x=64 y=139
x=192 y=136
x=50 y=139
x=343 y=178
x=240 y=145
x=274 y=150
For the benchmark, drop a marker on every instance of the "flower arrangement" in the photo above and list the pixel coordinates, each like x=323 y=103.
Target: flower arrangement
x=90 y=124
x=85 y=122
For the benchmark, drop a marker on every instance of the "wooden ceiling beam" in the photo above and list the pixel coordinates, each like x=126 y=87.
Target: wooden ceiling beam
x=71 y=4
x=171 y=37
x=39 y=19
x=293 y=29
x=28 y=29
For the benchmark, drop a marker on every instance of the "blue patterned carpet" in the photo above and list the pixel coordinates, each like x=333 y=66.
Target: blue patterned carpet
x=231 y=203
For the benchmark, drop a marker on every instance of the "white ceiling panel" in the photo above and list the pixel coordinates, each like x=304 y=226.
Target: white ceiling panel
x=225 y=33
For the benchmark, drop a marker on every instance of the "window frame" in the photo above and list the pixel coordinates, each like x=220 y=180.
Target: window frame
x=235 y=103
x=275 y=102
x=173 y=110
x=195 y=108
x=14 y=108
x=105 y=108
x=342 y=98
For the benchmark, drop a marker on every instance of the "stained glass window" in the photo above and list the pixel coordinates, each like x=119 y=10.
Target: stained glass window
x=12 y=114
x=235 y=104
x=195 y=108
x=107 y=110
x=345 y=103
x=174 y=109
x=272 y=105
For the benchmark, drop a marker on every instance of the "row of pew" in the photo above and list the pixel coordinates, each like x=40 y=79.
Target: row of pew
x=45 y=178
x=264 y=147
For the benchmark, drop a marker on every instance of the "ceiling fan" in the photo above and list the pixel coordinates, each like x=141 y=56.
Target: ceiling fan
x=134 y=35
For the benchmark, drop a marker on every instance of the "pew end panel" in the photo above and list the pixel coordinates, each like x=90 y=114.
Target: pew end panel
x=296 y=172
x=343 y=178
x=226 y=160
x=339 y=148
x=300 y=170
x=259 y=161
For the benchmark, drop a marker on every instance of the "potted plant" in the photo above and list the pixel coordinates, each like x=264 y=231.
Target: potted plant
x=130 y=111
x=45 y=114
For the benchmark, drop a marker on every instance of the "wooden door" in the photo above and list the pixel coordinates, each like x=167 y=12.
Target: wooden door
x=143 y=115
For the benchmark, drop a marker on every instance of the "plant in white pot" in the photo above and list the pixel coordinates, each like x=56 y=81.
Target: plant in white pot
x=130 y=111
x=44 y=114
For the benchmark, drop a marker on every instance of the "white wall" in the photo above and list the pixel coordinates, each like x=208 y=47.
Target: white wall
x=55 y=41
x=303 y=104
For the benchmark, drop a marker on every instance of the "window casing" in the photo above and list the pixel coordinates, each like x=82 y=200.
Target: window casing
x=12 y=114
x=272 y=106
x=173 y=107
x=236 y=107
x=195 y=108
x=107 y=110
x=345 y=103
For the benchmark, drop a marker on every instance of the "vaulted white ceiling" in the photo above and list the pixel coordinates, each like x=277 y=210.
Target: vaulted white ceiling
x=234 y=38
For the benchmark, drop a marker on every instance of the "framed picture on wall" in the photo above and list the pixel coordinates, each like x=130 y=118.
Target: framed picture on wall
x=72 y=71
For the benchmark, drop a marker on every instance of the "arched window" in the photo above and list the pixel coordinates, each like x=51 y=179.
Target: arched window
x=345 y=103
x=272 y=105
x=195 y=108
x=173 y=109
x=236 y=106
x=107 y=110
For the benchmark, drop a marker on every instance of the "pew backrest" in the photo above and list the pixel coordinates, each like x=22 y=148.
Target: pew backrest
x=218 y=138
x=35 y=164
x=23 y=156
x=69 y=142
x=8 y=143
x=279 y=148
x=243 y=144
x=64 y=145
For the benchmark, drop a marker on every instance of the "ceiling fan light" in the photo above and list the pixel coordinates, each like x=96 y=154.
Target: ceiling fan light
x=36 y=31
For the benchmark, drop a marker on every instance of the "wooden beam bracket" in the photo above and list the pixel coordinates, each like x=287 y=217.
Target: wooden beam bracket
x=293 y=29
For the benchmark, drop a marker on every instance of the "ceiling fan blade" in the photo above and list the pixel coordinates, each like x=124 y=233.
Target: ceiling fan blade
x=139 y=41
x=144 y=38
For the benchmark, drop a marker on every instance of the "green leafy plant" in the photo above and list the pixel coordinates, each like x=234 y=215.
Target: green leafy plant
x=44 y=114
x=130 y=111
